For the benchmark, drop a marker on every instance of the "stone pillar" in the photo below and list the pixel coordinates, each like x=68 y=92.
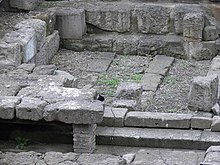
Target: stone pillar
x=84 y=138
x=71 y=23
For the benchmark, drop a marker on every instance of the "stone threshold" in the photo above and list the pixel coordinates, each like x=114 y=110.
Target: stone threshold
x=157 y=138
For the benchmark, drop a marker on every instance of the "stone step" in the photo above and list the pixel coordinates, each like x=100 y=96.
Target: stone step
x=157 y=138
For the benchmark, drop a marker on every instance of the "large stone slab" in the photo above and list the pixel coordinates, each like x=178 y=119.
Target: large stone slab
x=77 y=112
x=53 y=93
x=30 y=109
x=215 y=127
x=112 y=17
x=40 y=30
x=153 y=19
x=149 y=137
x=151 y=81
x=203 y=93
x=25 y=5
x=201 y=121
x=48 y=50
x=160 y=65
x=114 y=117
x=7 y=106
x=161 y=120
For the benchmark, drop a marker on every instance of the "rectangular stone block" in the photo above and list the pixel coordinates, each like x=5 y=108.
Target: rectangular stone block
x=99 y=42
x=201 y=121
x=114 y=18
x=48 y=50
x=40 y=30
x=12 y=52
x=151 y=81
x=7 y=106
x=193 y=24
x=30 y=109
x=75 y=112
x=26 y=37
x=153 y=19
x=161 y=120
x=114 y=117
x=131 y=105
x=203 y=93
x=70 y=23
x=210 y=33
x=24 y=4
x=160 y=65
x=215 y=127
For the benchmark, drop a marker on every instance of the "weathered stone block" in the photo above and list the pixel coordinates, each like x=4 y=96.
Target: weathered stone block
x=7 y=106
x=24 y=4
x=193 y=24
x=216 y=109
x=129 y=91
x=26 y=37
x=40 y=30
x=153 y=18
x=201 y=121
x=48 y=50
x=215 y=127
x=45 y=70
x=162 y=120
x=70 y=23
x=11 y=51
x=131 y=105
x=75 y=112
x=26 y=67
x=114 y=117
x=179 y=11
x=203 y=93
x=71 y=81
x=126 y=45
x=210 y=33
x=30 y=109
x=52 y=93
x=160 y=65
x=110 y=17
x=212 y=158
x=151 y=81
x=200 y=50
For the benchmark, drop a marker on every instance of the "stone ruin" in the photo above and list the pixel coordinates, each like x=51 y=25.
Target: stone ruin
x=33 y=91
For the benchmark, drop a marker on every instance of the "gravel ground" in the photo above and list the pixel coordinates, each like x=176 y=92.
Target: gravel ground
x=170 y=97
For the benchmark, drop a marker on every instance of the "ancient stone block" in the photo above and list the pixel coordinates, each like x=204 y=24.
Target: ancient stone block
x=212 y=158
x=203 y=93
x=30 y=109
x=215 y=127
x=114 y=117
x=129 y=91
x=45 y=70
x=24 y=4
x=153 y=19
x=53 y=93
x=126 y=45
x=162 y=120
x=201 y=50
x=26 y=67
x=201 y=121
x=193 y=24
x=11 y=51
x=7 y=106
x=131 y=105
x=160 y=65
x=216 y=109
x=40 y=30
x=210 y=33
x=70 y=23
x=48 y=50
x=71 y=81
x=75 y=112
x=110 y=17
x=179 y=11
x=151 y=81
x=26 y=37
x=98 y=42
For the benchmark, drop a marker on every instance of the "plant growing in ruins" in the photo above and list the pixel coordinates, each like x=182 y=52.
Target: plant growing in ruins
x=172 y=110
x=112 y=82
x=136 y=77
x=21 y=142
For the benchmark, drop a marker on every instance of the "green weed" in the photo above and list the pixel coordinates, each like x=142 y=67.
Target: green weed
x=21 y=142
